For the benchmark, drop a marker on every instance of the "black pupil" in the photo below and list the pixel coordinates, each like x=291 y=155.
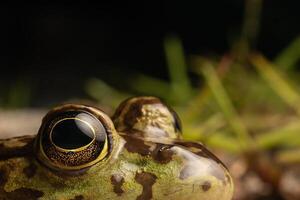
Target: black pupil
x=72 y=134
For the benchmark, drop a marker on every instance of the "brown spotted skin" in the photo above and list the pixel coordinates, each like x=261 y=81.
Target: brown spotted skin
x=147 y=116
x=146 y=161
x=147 y=180
x=117 y=181
x=12 y=148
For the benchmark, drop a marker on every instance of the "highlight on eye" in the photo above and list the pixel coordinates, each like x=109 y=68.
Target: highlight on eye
x=72 y=137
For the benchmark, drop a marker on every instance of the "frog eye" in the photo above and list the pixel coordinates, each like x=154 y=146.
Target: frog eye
x=73 y=137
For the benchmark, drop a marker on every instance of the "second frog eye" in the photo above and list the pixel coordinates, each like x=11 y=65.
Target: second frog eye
x=73 y=137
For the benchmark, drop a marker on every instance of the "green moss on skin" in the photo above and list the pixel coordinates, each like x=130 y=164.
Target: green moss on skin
x=96 y=183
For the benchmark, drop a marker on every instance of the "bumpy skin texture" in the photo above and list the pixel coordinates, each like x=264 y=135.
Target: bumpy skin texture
x=147 y=161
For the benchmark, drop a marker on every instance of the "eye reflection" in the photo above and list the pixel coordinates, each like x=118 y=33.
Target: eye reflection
x=93 y=124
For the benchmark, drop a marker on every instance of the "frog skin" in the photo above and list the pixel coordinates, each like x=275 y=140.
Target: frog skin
x=138 y=154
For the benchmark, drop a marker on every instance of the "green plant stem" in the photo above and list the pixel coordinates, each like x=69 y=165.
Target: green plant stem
x=176 y=63
x=205 y=129
x=104 y=93
x=226 y=106
x=276 y=81
x=288 y=58
x=196 y=104
x=220 y=141
x=250 y=29
x=284 y=136
x=149 y=85
x=251 y=23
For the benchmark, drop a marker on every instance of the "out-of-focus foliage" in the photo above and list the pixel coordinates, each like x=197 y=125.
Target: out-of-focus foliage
x=16 y=95
x=241 y=102
x=238 y=104
x=246 y=107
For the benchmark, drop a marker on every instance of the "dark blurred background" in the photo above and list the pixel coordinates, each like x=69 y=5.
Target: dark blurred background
x=54 y=48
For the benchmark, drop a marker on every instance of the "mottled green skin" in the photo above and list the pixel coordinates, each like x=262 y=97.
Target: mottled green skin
x=136 y=168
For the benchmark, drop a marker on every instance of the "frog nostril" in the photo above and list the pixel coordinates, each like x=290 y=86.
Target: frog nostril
x=164 y=154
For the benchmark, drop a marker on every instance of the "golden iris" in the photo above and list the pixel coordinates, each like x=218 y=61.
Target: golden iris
x=72 y=137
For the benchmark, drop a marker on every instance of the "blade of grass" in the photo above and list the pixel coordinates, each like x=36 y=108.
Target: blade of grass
x=288 y=58
x=205 y=129
x=198 y=101
x=103 y=93
x=176 y=63
x=149 y=85
x=226 y=106
x=285 y=136
x=220 y=141
x=251 y=23
x=276 y=81
x=250 y=29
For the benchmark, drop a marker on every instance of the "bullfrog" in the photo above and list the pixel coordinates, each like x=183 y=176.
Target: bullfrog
x=81 y=153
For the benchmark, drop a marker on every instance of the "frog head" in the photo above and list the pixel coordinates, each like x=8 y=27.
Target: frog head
x=82 y=153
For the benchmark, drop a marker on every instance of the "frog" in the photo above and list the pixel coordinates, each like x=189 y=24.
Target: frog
x=81 y=153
